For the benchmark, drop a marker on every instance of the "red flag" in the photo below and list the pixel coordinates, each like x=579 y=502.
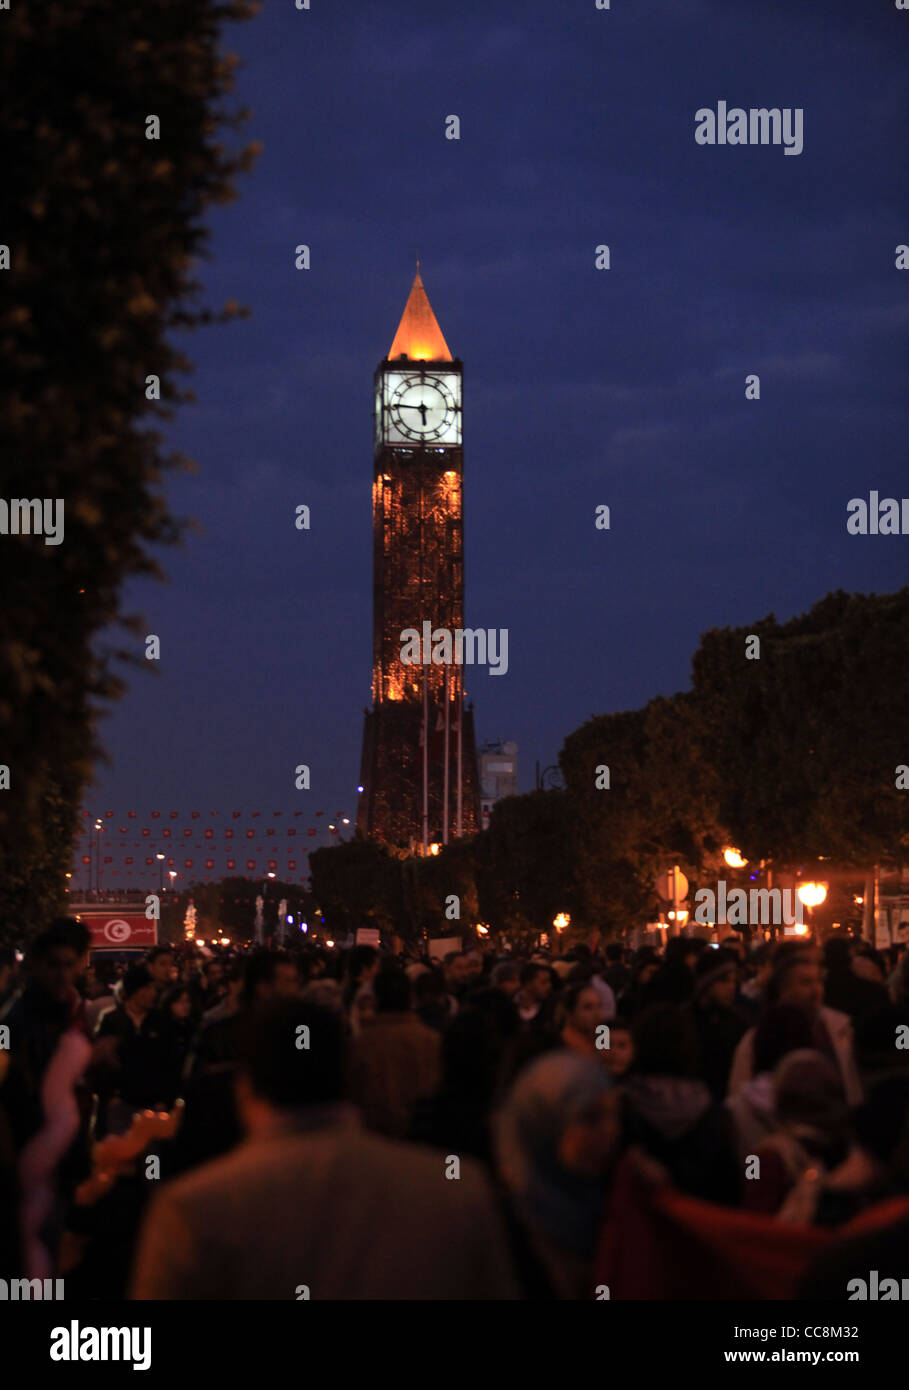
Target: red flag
x=128 y=859
x=256 y=813
x=291 y=832
x=166 y=831
x=228 y=834
x=291 y=863
x=273 y=864
x=146 y=831
x=170 y=863
x=310 y=832
x=250 y=834
x=86 y=859
x=174 y=815
x=187 y=863
x=320 y=813
x=270 y=830
x=231 y=863
x=250 y=863
x=131 y=814
x=156 y=815
x=149 y=861
x=209 y=834
x=236 y=814
x=209 y=863
x=195 y=814
x=108 y=859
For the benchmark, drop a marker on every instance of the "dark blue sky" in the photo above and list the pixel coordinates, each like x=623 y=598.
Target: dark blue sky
x=581 y=387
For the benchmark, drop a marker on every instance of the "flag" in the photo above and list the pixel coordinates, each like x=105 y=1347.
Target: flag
x=209 y=863
x=209 y=834
x=231 y=863
x=291 y=863
x=156 y=815
x=145 y=830
x=236 y=814
x=250 y=834
x=310 y=832
x=174 y=815
x=187 y=863
x=250 y=863
x=128 y=859
x=131 y=814
x=149 y=861
x=86 y=859
x=195 y=814
x=228 y=834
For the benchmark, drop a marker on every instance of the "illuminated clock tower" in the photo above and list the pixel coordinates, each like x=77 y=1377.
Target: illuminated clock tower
x=419 y=766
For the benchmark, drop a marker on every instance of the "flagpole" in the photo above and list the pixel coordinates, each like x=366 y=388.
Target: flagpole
x=460 y=747
x=425 y=763
x=447 y=760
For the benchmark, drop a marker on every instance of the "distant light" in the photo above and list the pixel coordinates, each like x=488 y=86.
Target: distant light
x=225 y=940
x=346 y=820
x=434 y=848
x=481 y=930
x=270 y=874
x=159 y=856
x=329 y=943
x=734 y=858
x=859 y=902
x=289 y=919
x=359 y=789
x=561 y=921
x=812 y=894
x=304 y=926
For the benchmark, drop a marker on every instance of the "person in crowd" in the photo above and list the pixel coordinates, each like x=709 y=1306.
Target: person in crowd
x=808 y=1138
x=797 y=980
x=394 y=1060
x=533 y=1000
x=475 y=968
x=619 y=1055
x=845 y=987
x=230 y=1002
x=644 y=967
x=670 y=1112
x=673 y=981
x=458 y=979
x=160 y=965
x=175 y=1009
x=431 y=1000
x=555 y=1137
x=781 y=1030
x=136 y=1074
x=875 y=1170
x=362 y=1217
x=759 y=968
x=717 y=1023
x=617 y=971
x=580 y=1016
x=208 y=985
x=506 y=977
x=361 y=965
x=98 y=985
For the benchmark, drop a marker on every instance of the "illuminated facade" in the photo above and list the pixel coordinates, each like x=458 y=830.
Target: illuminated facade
x=419 y=767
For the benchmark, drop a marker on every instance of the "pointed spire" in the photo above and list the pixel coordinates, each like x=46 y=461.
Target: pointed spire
x=419 y=335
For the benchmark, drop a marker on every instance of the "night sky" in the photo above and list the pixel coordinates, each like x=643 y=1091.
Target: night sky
x=624 y=387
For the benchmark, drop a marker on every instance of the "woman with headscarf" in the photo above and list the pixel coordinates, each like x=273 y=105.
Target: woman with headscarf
x=554 y=1140
x=810 y=1137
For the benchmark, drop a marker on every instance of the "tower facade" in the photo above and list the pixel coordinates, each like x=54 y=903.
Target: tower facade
x=419 y=766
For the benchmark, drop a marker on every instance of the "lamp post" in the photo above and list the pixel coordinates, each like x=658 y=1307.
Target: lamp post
x=160 y=858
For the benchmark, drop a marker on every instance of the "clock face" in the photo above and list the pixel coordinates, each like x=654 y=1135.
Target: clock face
x=423 y=407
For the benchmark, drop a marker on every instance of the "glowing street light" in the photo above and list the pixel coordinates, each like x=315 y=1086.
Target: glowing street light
x=734 y=858
x=561 y=921
x=812 y=894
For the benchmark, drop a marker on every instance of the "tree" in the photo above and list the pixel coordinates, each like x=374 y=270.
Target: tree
x=103 y=226
x=806 y=740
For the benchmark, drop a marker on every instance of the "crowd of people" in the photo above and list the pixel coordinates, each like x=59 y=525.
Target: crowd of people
x=363 y=1125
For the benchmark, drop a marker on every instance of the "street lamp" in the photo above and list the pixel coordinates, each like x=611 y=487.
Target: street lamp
x=734 y=858
x=160 y=858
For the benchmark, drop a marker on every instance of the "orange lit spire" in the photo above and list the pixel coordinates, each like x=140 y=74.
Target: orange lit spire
x=419 y=335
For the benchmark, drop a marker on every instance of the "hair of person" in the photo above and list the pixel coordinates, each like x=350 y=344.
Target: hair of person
x=783 y=967
x=360 y=959
x=260 y=969
x=157 y=951
x=504 y=971
x=280 y=1071
x=62 y=932
x=665 y=1042
x=531 y=969
x=137 y=977
x=391 y=989
x=172 y=994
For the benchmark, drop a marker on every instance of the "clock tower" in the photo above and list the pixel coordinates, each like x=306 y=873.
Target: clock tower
x=419 y=766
